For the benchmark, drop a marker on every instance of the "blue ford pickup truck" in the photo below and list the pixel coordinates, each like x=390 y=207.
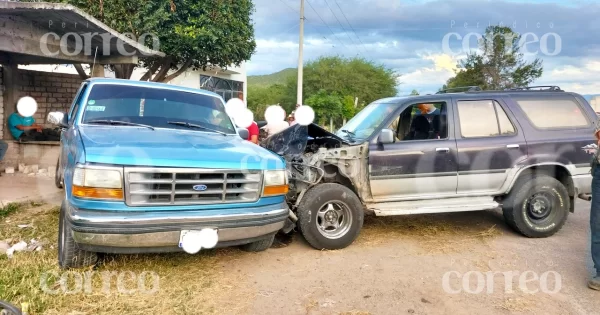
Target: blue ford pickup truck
x=150 y=167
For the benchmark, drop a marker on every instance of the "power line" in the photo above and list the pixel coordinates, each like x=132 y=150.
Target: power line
x=323 y=35
x=352 y=28
x=332 y=33
x=340 y=23
x=289 y=6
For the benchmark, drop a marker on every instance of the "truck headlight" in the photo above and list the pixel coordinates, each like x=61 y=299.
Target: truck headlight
x=98 y=182
x=275 y=183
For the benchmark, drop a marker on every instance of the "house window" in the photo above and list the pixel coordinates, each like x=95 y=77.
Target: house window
x=226 y=88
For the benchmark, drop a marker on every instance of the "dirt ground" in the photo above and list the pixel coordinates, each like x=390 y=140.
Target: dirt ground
x=404 y=275
x=397 y=266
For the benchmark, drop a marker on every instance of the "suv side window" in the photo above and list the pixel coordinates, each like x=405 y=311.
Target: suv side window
x=483 y=118
x=423 y=121
x=553 y=113
x=76 y=102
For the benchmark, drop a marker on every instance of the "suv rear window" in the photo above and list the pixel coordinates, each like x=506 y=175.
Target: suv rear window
x=553 y=113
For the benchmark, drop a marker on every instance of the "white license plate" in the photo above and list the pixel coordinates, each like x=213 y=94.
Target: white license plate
x=192 y=241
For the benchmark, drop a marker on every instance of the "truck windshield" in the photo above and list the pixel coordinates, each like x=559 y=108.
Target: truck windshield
x=128 y=105
x=366 y=121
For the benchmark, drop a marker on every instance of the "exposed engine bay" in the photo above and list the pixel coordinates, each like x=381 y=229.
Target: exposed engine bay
x=313 y=155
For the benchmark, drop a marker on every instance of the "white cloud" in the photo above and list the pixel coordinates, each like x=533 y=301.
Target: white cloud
x=430 y=77
x=581 y=78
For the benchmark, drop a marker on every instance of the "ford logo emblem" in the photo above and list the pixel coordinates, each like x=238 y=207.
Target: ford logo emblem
x=199 y=187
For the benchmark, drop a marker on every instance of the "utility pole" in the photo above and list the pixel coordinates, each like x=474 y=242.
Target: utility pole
x=300 y=48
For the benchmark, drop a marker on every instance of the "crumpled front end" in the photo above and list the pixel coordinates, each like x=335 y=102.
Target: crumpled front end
x=314 y=155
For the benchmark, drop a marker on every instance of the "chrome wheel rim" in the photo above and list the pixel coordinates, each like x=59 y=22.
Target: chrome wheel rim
x=334 y=219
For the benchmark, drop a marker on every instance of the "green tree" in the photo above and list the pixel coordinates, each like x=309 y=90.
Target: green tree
x=326 y=106
x=193 y=34
x=500 y=64
x=260 y=97
x=354 y=77
x=414 y=92
x=348 y=109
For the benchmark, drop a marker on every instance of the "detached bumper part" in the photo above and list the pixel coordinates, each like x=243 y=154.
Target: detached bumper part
x=139 y=232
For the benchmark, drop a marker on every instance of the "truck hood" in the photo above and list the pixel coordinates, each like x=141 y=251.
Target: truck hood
x=122 y=145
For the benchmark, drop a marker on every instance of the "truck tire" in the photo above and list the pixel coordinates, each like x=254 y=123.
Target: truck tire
x=537 y=206
x=69 y=255
x=259 y=246
x=330 y=216
x=58 y=181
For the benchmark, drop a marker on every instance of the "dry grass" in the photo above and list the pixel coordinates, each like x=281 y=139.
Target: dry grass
x=188 y=284
x=517 y=304
x=432 y=233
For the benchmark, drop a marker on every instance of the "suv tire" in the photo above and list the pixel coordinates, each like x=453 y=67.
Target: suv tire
x=537 y=206
x=69 y=255
x=330 y=216
x=261 y=245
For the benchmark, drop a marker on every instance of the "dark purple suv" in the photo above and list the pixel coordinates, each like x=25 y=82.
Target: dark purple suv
x=521 y=150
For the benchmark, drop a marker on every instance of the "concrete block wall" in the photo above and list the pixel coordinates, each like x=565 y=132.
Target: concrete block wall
x=52 y=91
x=43 y=155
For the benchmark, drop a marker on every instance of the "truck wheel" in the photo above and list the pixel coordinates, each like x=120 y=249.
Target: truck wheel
x=58 y=180
x=330 y=216
x=537 y=206
x=69 y=255
x=259 y=246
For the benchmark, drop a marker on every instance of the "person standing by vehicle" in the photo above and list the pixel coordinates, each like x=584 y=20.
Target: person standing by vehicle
x=253 y=133
x=594 y=283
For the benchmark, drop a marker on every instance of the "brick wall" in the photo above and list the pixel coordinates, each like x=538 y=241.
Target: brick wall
x=52 y=91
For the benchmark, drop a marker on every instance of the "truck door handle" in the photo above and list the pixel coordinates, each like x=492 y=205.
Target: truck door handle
x=512 y=146
x=442 y=150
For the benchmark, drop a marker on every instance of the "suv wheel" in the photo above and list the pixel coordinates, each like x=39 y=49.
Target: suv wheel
x=537 y=206
x=330 y=216
x=69 y=255
x=58 y=179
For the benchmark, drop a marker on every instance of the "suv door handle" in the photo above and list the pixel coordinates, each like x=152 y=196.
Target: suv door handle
x=442 y=150
x=512 y=146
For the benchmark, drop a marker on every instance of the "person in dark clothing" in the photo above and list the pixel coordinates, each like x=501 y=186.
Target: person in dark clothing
x=25 y=129
x=429 y=111
x=419 y=128
x=594 y=283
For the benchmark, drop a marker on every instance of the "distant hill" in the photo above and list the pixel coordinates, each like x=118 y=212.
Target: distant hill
x=273 y=78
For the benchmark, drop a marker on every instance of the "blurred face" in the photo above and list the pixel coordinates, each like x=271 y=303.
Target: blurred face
x=425 y=108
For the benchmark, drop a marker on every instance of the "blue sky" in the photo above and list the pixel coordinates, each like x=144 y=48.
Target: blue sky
x=409 y=36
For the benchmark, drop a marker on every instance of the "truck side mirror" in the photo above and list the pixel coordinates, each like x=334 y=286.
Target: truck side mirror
x=59 y=119
x=386 y=136
x=244 y=133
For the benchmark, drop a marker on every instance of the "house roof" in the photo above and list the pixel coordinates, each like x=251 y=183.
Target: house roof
x=39 y=32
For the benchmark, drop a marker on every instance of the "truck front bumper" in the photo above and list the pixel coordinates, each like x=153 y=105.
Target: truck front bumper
x=159 y=231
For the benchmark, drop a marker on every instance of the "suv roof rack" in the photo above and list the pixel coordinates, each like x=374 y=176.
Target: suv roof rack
x=547 y=88
x=460 y=89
